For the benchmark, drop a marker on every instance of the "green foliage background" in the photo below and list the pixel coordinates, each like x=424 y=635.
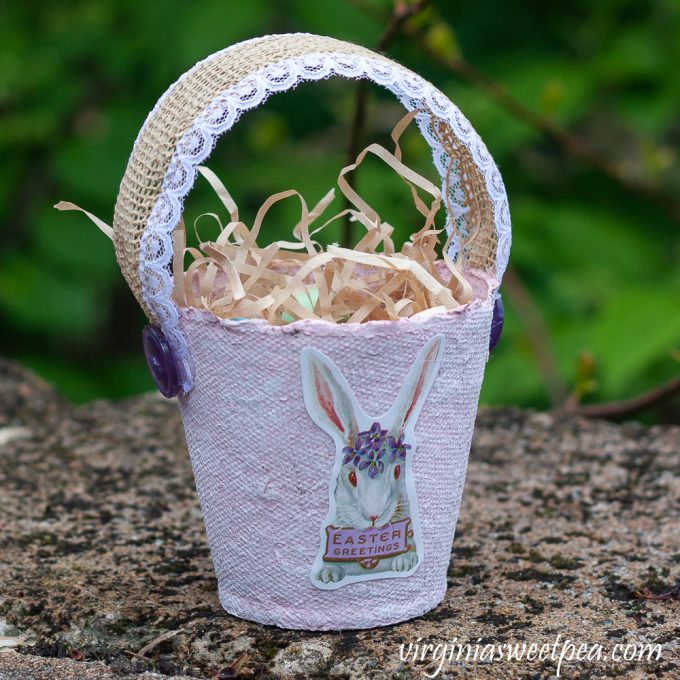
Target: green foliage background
x=596 y=262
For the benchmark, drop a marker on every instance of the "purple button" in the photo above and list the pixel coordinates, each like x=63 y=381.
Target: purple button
x=161 y=361
x=496 y=323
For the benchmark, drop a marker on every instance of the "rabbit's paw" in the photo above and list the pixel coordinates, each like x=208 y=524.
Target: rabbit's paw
x=331 y=573
x=404 y=562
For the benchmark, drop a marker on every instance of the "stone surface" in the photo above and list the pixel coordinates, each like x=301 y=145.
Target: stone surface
x=567 y=528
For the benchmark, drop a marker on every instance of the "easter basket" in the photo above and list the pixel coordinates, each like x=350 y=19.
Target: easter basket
x=321 y=512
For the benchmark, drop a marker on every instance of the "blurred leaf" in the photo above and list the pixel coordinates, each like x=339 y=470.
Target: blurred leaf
x=638 y=326
x=441 y=39
x=40 y=300
x=631 y=52
x=270 y=131
x=555 y=88
x=70 y=241
x=575 y=240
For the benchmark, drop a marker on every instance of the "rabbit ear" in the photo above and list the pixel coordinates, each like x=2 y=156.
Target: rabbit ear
x=418 y=383
x=328 y=397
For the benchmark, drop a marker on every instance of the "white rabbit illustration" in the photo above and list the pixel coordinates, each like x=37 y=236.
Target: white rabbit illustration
x=372 y=528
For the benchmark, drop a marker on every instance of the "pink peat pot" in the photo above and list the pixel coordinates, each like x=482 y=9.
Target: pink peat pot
x=329 y=459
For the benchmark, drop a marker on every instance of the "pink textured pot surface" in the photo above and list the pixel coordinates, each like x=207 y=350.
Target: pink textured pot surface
x=263 y=466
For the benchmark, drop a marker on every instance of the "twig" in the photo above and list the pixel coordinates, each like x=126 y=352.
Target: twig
x=646 y=594
x=539 y=335
x=401 y=14
x=571 y=143
x=236 y=669
x=142 y=653
x=358 y=120
x=617 y=410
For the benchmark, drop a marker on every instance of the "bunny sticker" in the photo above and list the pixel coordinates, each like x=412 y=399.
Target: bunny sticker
x=371 y=530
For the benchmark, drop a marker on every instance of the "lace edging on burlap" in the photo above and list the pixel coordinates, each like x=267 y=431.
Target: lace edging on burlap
x=224 y=111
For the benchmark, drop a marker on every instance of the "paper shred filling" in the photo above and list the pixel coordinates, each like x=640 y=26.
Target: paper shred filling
x=234 y=278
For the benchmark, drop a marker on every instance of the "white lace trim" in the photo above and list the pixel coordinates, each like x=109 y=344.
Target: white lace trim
x=223 y=112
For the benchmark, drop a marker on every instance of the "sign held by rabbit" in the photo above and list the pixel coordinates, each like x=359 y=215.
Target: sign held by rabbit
x=372 y=528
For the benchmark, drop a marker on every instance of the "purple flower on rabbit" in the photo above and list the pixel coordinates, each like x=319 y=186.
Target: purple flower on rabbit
x=372 y=462
x=352 y=454
x=398 y=448
x=373 y=438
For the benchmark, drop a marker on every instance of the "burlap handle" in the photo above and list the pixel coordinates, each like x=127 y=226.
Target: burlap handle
x=190 y=97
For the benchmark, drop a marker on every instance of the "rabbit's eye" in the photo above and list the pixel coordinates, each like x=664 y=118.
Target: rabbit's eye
x=397 y=471
x=353 y=478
